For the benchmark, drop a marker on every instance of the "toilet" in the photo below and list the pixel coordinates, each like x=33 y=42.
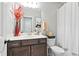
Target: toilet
x=55 y=50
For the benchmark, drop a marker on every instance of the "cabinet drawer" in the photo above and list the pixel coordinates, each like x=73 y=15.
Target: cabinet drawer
x=13 y=43
x=29 y=42
x=42 y=41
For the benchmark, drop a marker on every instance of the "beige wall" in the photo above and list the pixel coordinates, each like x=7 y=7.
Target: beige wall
x=49 y=13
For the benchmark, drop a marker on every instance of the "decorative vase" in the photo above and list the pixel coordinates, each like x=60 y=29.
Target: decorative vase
x=18 y=13
x=17 y=29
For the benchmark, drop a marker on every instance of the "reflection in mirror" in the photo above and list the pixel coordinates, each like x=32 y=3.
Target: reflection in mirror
x=38 y=25
x=26 y=25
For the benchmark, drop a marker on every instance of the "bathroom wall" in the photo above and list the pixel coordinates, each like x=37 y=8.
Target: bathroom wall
x=0 y=28
x=7 y=23
x=49 y=13
x=0 y=19
x=32 y=12
x=7 y=18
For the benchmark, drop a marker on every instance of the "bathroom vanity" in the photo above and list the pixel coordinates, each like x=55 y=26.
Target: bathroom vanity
x=27 y=46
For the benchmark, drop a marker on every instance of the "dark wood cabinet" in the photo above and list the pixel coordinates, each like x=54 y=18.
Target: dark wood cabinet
x=38 y=50
x=20 y=51
x=30 y=47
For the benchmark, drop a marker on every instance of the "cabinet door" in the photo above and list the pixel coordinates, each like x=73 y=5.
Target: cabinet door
x=39 y=50
x=19 y=51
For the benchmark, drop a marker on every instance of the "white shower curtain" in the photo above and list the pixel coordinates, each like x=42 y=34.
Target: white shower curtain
x=75 y=27
x=68 y=26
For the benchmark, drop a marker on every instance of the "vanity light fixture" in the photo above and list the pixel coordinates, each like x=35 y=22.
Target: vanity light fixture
x=30 y=4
